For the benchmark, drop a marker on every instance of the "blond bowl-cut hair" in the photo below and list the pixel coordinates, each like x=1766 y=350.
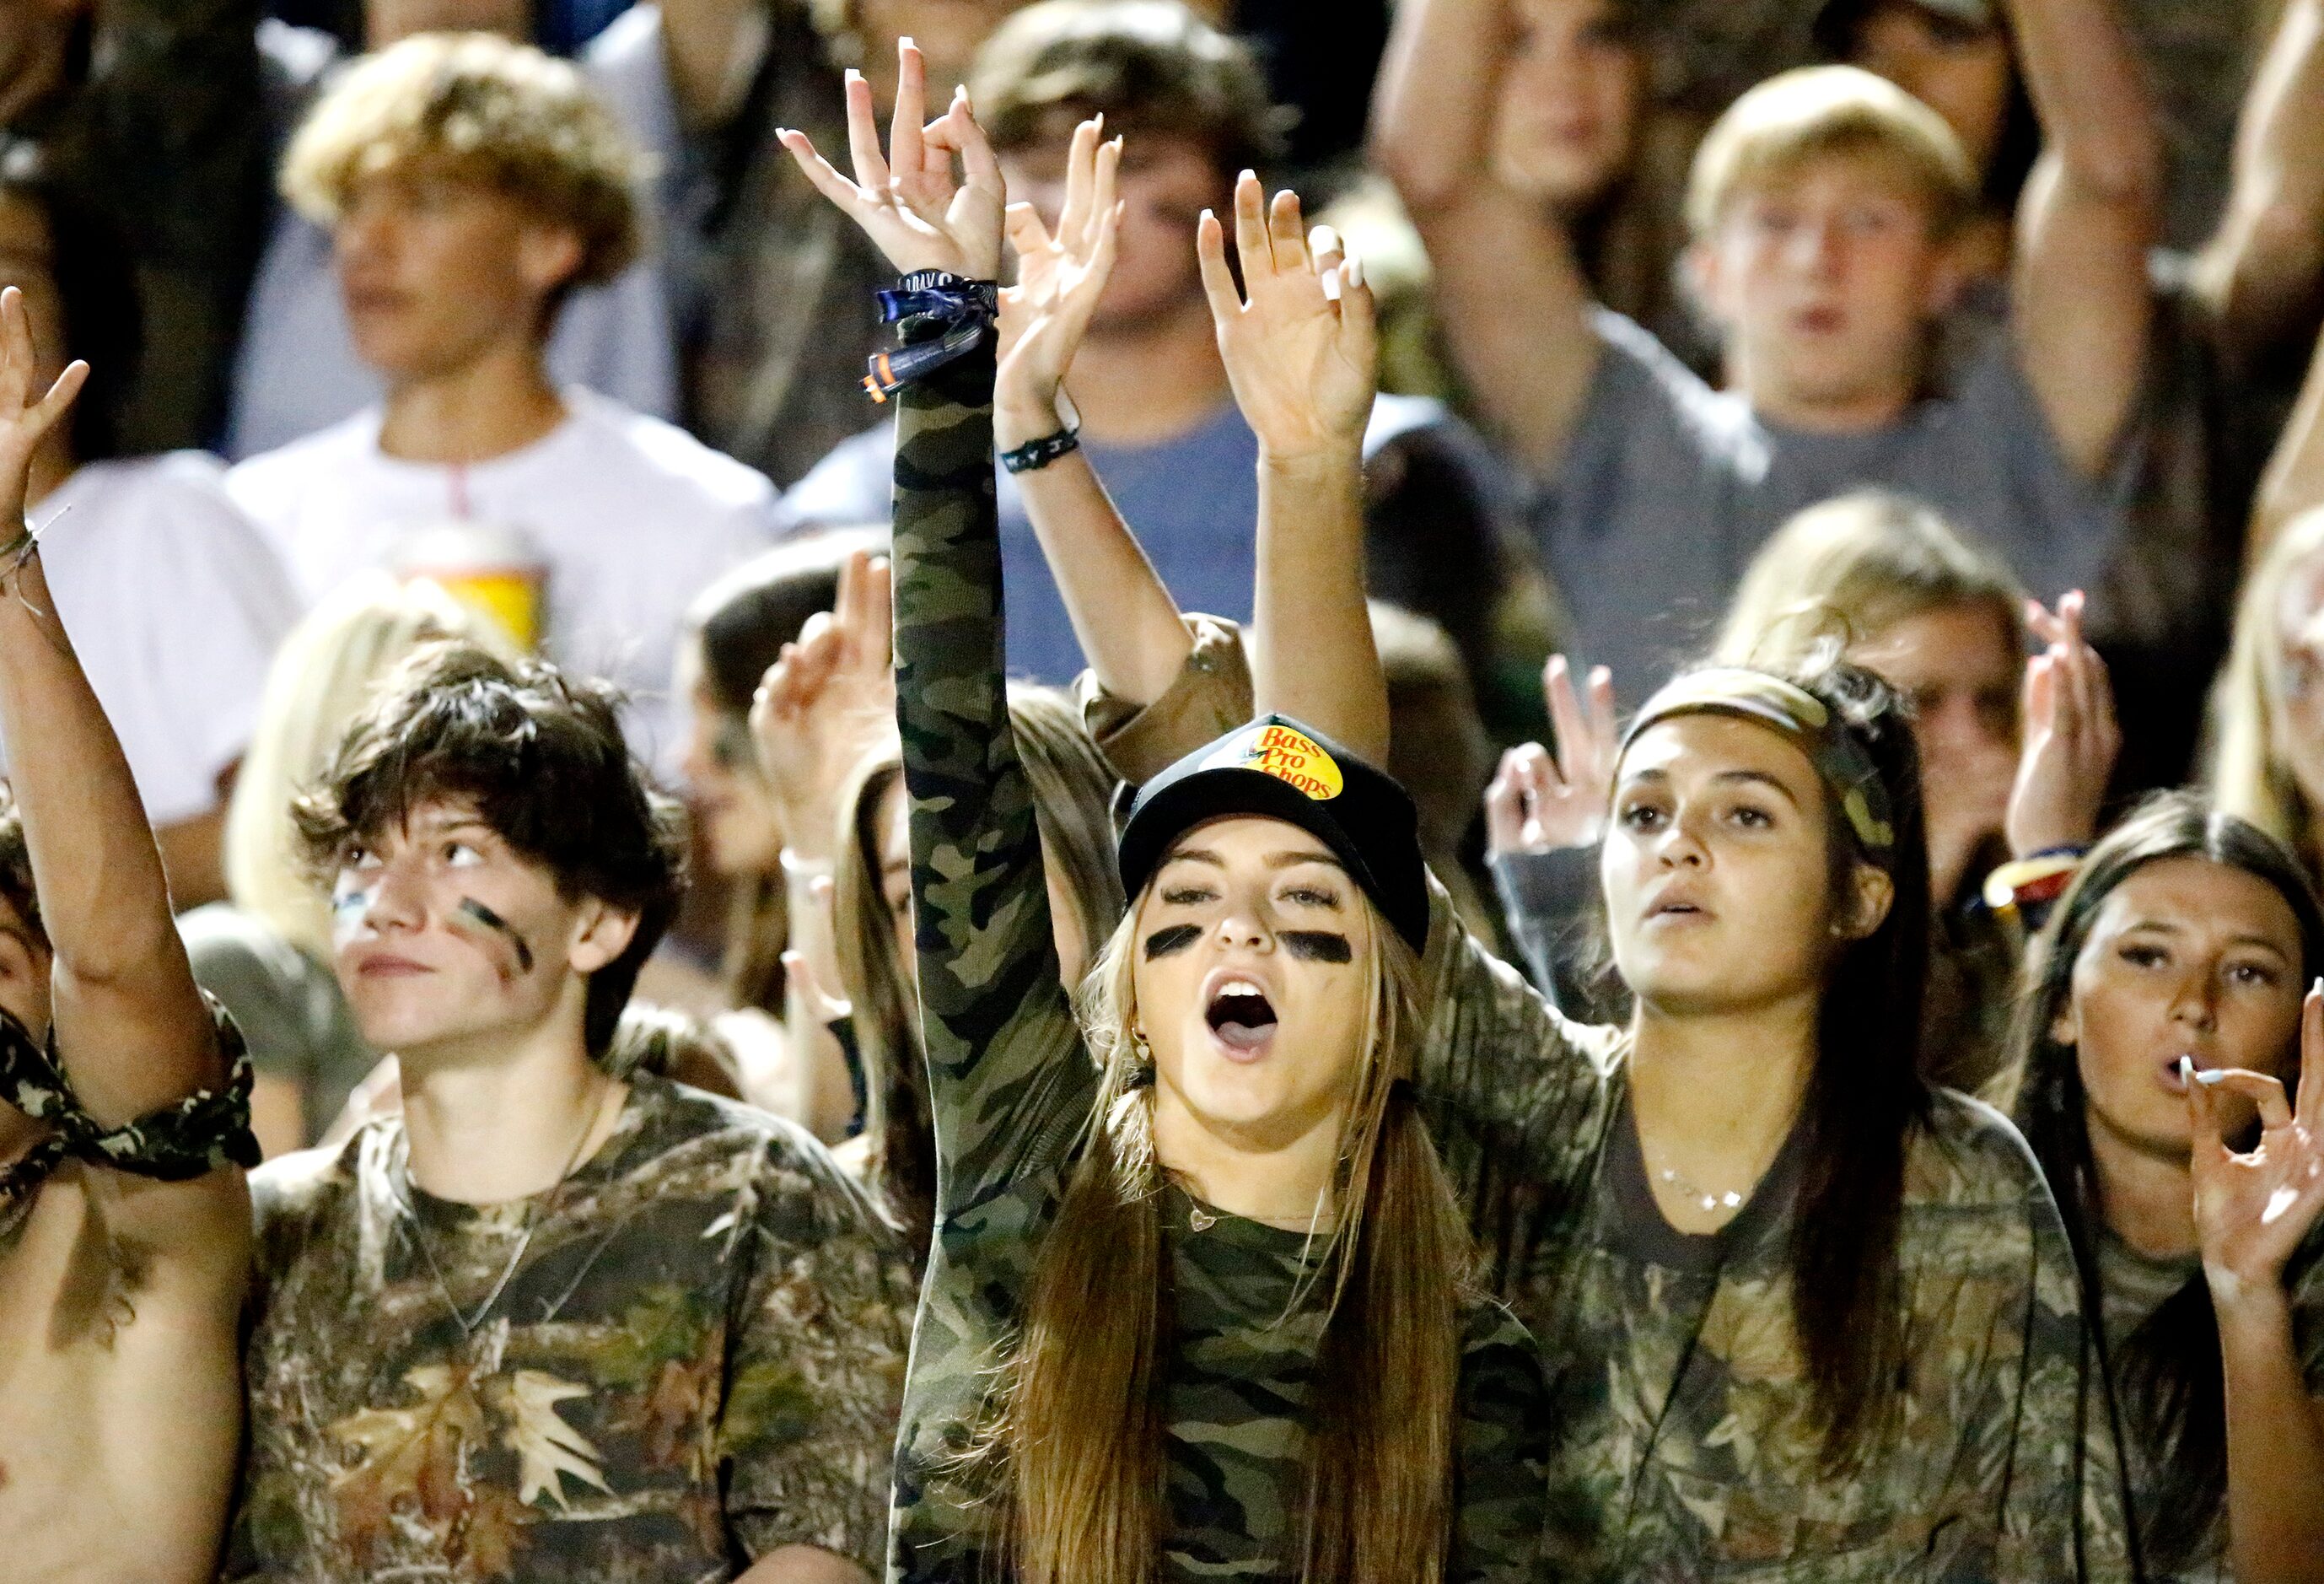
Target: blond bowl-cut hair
x=502 y=114
x=1795 y=118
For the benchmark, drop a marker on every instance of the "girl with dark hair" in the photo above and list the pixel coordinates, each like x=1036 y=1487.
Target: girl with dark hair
x=1194 y=1306
x=2163 y=1025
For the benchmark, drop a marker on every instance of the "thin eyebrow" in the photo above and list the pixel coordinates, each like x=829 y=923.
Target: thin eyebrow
x=2166 y=927
x=1292 y=858
x=1761 y=777
x=1196 y=854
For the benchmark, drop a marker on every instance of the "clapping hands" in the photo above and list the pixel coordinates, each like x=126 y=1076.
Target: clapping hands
x=828 y=700
x=2070 y=738
x=1301 y=352
x=907 y=201
x=1539 y=803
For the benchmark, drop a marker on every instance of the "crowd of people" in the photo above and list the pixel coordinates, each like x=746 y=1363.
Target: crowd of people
x=1095 y=791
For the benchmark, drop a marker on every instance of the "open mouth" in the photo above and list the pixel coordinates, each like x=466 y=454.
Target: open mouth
x=1241 y=1016
x=2174 y=1077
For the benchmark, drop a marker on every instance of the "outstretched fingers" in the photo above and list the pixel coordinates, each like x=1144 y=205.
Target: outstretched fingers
x=1218 y=280
x=1081 y=178
x=1251 y=249
x=906 y=156
x=2311 y=1056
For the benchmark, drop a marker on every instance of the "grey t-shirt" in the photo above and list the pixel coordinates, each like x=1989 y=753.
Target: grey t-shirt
x=1668 y=488
x=288 y=1006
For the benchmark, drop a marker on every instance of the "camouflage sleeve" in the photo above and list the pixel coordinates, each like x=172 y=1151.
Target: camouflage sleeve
x=815 y=1372
x=1009 y=1082
x=1209 y=698
x=1503 y=1450
x=1505 y=1078
x=2064 y=1514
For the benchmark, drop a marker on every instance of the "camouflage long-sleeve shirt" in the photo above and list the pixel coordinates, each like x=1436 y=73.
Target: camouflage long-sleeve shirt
x=1686 y=1447
x=1011 y=1087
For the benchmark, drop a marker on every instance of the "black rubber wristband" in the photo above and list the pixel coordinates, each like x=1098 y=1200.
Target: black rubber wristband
x=1037 y=454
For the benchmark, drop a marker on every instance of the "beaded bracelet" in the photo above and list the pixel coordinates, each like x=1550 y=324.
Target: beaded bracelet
x=1037 y=454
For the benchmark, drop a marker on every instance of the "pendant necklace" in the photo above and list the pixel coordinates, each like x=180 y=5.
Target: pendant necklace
x=1703 y=1199
x=535 y=1212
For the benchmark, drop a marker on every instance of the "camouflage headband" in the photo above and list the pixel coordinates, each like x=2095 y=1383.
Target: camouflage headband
x=1755 y=695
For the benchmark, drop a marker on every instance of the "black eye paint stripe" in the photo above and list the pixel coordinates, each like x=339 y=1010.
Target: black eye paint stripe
x=1318 y=946
x=493 y=922
x=1176 y=938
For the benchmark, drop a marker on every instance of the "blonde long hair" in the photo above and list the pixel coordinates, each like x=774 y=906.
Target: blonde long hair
x=1081 y=1430
x=323 y=676
x=1865 y=561
x=2250 y=774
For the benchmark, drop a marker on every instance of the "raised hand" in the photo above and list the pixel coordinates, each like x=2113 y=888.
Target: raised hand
x=2252 y=1211
x=26 y=414
x=828 y=700
x=2070 y=735
x=1537 y=804
x=907 y=202
x=1059 y=279
x=1300 y=354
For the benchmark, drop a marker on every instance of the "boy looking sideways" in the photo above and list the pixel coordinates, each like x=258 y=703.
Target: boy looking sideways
x=547 y=1324
x=1824 y=207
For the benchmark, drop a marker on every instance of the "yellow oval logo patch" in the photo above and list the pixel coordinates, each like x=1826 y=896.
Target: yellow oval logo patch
x=1290 y=756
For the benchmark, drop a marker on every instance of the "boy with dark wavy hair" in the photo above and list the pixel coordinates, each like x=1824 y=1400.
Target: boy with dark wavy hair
x=547 y=1322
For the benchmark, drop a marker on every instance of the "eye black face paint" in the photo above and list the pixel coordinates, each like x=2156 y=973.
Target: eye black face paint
x=1318 y=946
x=471 y=908
x=1176 y=939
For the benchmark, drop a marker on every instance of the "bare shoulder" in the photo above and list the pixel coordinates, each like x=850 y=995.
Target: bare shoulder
x=120 y=1411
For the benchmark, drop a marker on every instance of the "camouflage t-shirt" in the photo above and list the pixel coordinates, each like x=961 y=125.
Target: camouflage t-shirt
x=1011 y=1087
x=2133 y=1286
x=697 y=1360
x=1682 y=1407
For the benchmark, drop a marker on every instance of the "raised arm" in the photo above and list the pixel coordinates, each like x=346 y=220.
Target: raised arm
x=2252 y=1214
x=2261 y=269
x=1123 y=615
x=994 y=1021
x=1510 y=293
x=131 y=1028
x=1301 y=356
x=828 y=703
x=2082 y=303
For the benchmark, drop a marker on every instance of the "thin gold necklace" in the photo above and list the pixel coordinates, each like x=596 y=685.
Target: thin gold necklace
x=536 y=1211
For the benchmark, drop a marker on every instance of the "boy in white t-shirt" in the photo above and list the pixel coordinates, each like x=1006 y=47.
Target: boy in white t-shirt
x=175 y=601
x=470 y=184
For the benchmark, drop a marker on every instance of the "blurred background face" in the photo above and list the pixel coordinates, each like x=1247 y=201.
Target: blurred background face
x=1825 y=281
x=2299 y=679
x=947 y=33
x=438 y=270
x=2185 y=958
x=1961 y=666
x=1567 y=121
x=389 y=22
x=1716 y=868
x=1167 y=180
x=742 y=832
x=1963 y=72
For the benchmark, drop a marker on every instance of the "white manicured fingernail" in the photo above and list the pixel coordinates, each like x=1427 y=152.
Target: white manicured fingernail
x=1355 y=269
x=1331 y=285
x=2211 y=1077
x=1323 y=239
x=2186 y=1069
